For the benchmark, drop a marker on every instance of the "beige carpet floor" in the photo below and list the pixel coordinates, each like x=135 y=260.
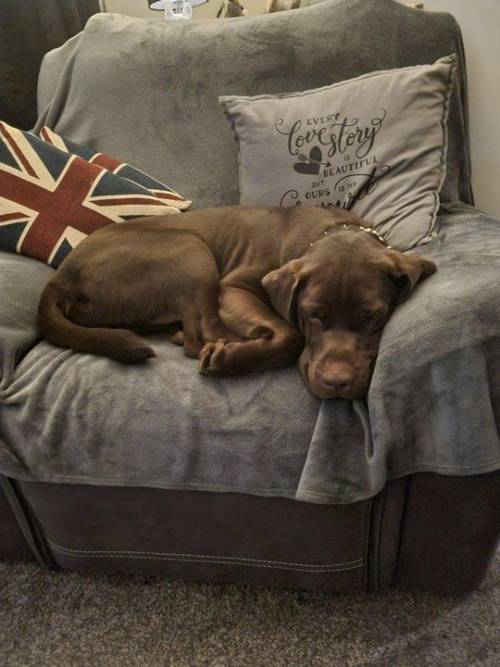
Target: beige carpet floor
x=73 y=620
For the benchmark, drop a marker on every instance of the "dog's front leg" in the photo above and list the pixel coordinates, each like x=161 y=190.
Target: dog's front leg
x=272 y=342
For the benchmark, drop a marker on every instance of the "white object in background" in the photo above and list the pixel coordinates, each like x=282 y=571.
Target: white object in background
x=161 y=4
x=178 y=10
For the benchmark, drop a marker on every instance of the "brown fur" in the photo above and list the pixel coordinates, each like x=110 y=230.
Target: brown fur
x=242 y=289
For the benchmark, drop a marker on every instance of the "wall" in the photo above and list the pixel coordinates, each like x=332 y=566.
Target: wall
x=480 y=23
x=207 y=11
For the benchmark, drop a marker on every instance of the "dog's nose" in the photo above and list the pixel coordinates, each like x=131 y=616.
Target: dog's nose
x=337 y=377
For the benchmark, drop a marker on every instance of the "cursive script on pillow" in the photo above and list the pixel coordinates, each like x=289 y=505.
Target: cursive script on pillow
x=375 y=144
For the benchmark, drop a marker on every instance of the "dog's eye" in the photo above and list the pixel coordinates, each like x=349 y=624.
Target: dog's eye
x=371 y=318
x=365 y=316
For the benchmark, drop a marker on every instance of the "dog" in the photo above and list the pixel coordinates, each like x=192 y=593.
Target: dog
x=242 y=289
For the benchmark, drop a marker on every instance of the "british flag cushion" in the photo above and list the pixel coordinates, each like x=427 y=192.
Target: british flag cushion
x=50 y=199
x=123 y=169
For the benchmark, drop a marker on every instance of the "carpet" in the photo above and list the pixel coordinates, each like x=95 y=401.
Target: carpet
x=76 y=620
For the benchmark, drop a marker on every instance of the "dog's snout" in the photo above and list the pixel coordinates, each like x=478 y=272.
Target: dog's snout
x=337 y=377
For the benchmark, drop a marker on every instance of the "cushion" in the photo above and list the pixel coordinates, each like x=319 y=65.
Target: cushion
x=375 y=145
x=155 y=101
x=50 y=200
x=159 y=190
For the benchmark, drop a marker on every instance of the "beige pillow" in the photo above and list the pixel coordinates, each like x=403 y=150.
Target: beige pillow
x=375 y=144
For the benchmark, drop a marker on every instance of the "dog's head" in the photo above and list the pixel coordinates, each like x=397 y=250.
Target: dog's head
x=340 y=294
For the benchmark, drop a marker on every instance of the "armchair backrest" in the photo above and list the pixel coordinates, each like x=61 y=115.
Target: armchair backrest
x=147 y=91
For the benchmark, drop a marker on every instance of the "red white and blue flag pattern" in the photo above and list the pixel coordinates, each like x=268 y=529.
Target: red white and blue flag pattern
x=50 y=200
x=122 y=169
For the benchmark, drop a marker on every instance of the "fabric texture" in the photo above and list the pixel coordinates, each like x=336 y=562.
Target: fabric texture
x=159 y=190
x=375 y=145
x=50 y=200
x=433 y=404
x=154 y=101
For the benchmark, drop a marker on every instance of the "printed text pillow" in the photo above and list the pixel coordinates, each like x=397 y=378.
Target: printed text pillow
x=50 y=200
x=375 y=144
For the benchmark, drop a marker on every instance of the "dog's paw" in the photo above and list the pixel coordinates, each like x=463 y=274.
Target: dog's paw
x=215 y=358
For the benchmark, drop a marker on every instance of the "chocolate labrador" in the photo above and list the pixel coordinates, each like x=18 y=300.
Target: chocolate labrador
x=242 y=289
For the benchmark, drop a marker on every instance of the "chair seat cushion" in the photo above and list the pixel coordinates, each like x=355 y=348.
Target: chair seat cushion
x=433 y=405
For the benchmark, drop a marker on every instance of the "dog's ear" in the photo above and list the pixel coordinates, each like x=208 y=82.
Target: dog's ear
x=407 y=271
x=282 y=287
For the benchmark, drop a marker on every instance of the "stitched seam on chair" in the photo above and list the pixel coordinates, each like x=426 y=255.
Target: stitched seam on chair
x=221 y=562
x=179 y=556
x=178 y=486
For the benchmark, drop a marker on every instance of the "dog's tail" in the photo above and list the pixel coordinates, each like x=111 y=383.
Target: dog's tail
x=118 y=344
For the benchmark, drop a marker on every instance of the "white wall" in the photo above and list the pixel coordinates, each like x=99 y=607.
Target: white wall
x=480 y=23
x=207 y=11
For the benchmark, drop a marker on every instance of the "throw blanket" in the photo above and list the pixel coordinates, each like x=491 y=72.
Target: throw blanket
x=433 y=405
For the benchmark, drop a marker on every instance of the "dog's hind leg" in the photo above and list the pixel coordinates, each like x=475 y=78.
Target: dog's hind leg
x=197 y=290
x=201 y=322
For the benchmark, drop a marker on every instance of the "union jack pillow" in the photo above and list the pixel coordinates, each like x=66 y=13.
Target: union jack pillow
x=123 y=169
x=50 y=200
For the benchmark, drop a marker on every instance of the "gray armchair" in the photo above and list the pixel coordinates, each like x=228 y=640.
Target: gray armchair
x=95 y=460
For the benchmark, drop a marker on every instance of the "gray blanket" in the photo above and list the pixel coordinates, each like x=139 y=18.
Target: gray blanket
x=434 y=402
